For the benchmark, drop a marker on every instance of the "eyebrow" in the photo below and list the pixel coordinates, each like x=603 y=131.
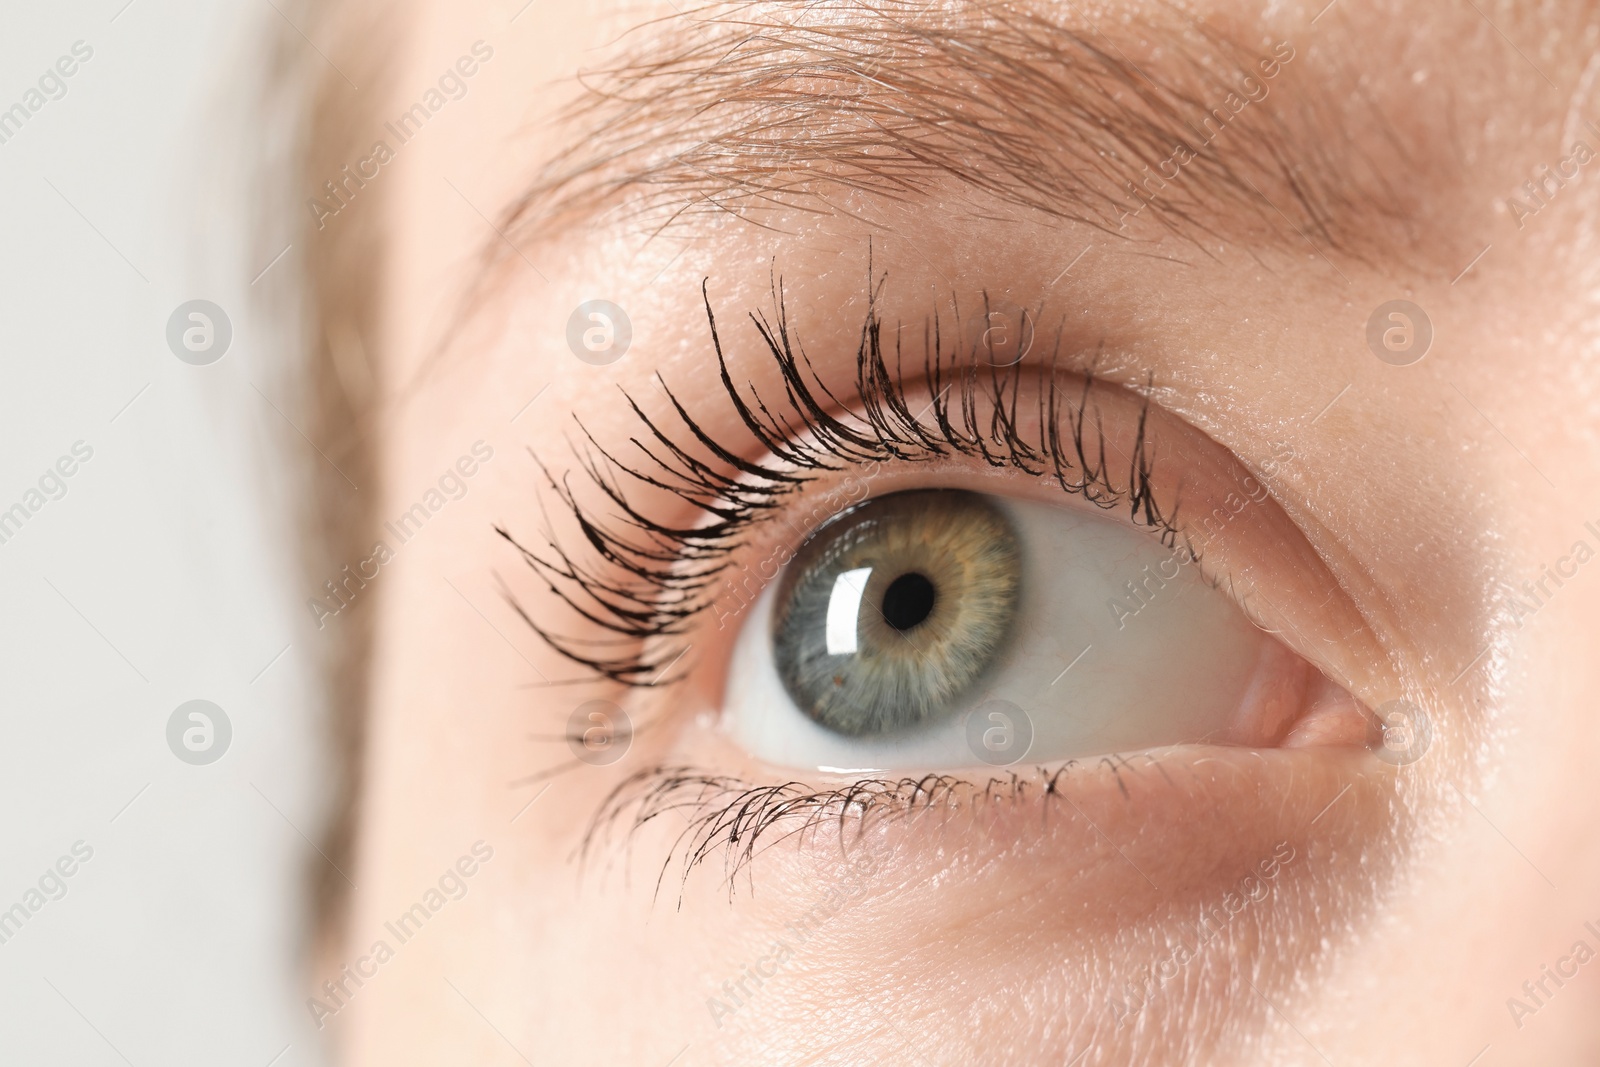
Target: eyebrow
x=760 y=110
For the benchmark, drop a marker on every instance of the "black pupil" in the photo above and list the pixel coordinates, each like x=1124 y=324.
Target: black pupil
x=908 y=601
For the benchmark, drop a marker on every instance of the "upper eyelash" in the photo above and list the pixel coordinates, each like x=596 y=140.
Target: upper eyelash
x=641 y=579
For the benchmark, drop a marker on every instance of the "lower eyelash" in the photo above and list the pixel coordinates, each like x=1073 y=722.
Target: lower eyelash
x=739 y=819
x=642 y=580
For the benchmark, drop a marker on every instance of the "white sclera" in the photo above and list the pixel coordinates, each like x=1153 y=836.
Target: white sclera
x=1171 y=665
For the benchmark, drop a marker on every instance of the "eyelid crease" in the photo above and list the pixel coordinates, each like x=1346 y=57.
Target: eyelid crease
x=663 y=576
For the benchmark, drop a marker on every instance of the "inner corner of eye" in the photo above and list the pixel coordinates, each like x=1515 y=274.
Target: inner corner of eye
x=946 y=628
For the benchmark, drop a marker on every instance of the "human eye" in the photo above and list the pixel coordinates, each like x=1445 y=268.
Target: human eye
x=942 y=628
x=965 y=560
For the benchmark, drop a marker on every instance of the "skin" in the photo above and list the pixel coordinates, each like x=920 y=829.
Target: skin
x=1419 y=899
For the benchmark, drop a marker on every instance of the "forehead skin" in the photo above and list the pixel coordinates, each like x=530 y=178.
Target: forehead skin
x=1436 y=487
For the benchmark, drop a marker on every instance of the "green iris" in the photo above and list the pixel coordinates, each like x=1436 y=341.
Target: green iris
x=891 y=612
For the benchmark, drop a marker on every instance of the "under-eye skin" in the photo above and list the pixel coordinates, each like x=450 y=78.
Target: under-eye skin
x=891 y=612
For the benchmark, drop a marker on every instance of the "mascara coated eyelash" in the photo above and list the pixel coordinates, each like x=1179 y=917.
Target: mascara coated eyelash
x=641 y=579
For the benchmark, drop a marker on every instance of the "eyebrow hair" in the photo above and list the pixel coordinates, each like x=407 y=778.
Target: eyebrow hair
x=761 y=109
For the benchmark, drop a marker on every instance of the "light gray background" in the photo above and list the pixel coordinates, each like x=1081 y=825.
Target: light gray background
x=163 y=575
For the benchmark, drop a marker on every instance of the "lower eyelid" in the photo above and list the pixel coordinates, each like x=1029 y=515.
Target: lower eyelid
x=1125 y=838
